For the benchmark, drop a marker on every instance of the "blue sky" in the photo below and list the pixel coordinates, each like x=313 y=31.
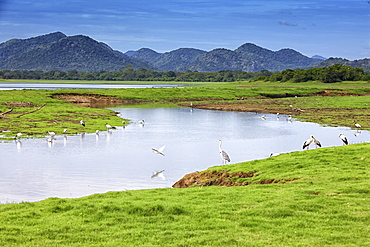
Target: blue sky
x=328 y=28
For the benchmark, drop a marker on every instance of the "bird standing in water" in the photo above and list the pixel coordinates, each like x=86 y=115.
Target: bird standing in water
x=224 y=156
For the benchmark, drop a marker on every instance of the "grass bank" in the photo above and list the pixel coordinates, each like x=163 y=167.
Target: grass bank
x=327 y=205
x=331 y=104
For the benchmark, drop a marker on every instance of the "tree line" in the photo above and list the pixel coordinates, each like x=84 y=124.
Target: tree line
x=334 y=73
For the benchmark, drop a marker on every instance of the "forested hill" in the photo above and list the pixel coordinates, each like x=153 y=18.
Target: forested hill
x=248 y=57
x=58 y=52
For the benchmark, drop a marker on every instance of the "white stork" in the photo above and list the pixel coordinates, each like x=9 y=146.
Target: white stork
x=343 y=138
x=307 y=143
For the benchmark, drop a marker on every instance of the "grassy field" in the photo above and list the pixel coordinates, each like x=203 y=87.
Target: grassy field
x=327 y=205
x=322 y=199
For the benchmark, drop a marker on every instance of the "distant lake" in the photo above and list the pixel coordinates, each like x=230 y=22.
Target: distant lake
x=20 y=86
x=122 y=159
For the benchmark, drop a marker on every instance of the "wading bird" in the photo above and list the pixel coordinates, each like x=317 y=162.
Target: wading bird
x=263 y=117
x=52 y=134
x=18 y=136
x=82 y=123
x=358 y=132
x=158 y=174
x=108 y=126
x=317 y=142
x=224 y=156
x=357 y=125
x=97 y=132
x=141 y=122
x=343 y=138
x=307 y=143
x=159 y=150
x=65 y=131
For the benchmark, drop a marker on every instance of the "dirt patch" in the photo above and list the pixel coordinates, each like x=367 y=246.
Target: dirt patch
x=20 y=104
x=221 y=178
x=93 y=100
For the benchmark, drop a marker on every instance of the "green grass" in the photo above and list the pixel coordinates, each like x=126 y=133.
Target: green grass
x=328 y=203
x=58 y=115
x=327 y=206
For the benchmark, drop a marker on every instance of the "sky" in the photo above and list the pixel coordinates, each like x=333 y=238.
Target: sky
x=328 y=28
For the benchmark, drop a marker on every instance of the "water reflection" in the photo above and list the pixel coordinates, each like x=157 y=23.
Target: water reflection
x=123 y=159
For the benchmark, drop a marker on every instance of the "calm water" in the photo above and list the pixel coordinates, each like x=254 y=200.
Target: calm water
x=82 y=165
x=20 y=86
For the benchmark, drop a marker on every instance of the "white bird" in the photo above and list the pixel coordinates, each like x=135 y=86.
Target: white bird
x=358 y=132
x=224 y=156
x=357 y=125
x=97 y=132
x=343 y=138
x=65 y=131
x=263 y=117
x=158 y=174
x=277 y=116
x=18 y=136
x=108 y=126
x=141 y=122
x=51 y=133
x=274 y=154
x=82 y=123
x=307 y=143
x=159 y=150
x=317 y=142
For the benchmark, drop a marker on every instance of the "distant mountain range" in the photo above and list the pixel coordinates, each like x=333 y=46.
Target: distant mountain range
x=56 y=51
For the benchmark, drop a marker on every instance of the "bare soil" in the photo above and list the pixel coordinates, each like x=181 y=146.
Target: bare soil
x=93 y=100
x=20 y=104
x=222 y=178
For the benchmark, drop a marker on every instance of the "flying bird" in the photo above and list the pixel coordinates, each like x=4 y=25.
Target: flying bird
x=343 y=138
x=158 y=174
x=82 y=123
x=224 y=156
x=159 y=150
